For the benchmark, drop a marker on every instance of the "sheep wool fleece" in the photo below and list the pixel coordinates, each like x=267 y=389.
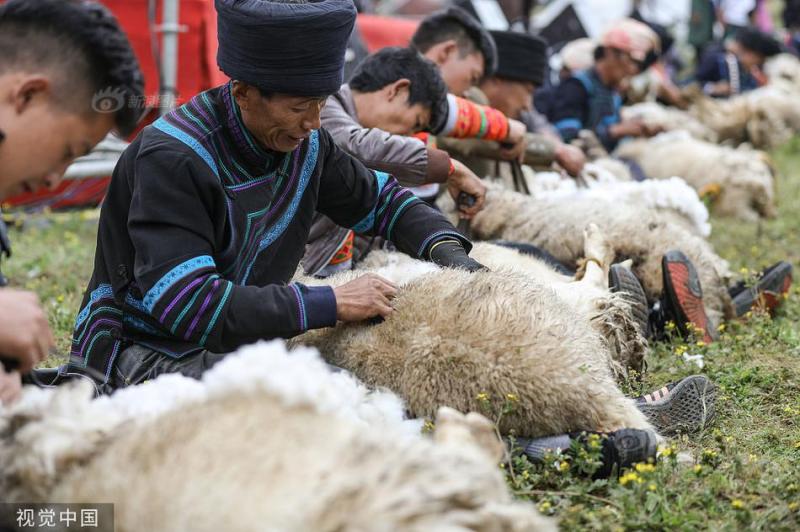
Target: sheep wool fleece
x=202 y=229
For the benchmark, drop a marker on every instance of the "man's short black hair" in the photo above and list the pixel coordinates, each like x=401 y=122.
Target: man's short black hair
x=388 y=65
x=456 y=24
x=758 y=42
x=82 y=44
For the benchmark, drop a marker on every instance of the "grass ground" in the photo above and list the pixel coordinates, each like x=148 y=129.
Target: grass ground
x=742 y=473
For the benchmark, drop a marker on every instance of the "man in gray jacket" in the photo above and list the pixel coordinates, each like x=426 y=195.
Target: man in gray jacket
x=394 y=93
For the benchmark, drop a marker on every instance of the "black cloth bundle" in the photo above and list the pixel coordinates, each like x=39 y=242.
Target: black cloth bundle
x=521 y=56
x=285 y=47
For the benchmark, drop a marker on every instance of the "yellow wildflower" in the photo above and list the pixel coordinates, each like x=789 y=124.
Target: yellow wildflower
x=721 y=327
x=738 y=504
x=545 y=506
x=793 y=506
x=645 y=468
x=563 y=466
x=629 y=477
x=651 y=487
x=701 y=344
x=698 y=469
x=512 y=397
x=483 y=397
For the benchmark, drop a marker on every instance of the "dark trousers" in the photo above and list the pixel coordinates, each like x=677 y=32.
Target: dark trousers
x=138 y=364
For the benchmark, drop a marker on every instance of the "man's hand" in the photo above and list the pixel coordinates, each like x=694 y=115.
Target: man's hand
x=651 y=130
x=630 y=128
x=720 y=88
x=570 y=158
x=463 y=180
x=10 y=387
x=364 y=298
x=516 y=140
x=24 y=332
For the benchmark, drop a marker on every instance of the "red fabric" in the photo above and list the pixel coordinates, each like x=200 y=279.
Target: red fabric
x=197 y=47
x=380 y=32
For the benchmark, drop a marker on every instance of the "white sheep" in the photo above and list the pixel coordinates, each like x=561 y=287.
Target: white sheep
x=267 y=440
x=765 y=117
x=609 y=180
x=639 y=233
x=668 y=118
x=785 y=67
x=456 y=335
x=610 y=314
x=743 y=179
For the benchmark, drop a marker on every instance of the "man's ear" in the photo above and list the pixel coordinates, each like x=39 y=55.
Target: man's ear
x=443 y=51
x=398 y=88
x=29 y=89
x=243 y=94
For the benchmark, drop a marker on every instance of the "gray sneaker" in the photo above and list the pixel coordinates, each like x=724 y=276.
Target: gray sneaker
x=685 y=406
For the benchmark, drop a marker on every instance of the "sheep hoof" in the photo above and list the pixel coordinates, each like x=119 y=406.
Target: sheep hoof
x=473 y=430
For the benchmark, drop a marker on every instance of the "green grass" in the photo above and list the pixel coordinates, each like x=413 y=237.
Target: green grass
x=742 y=473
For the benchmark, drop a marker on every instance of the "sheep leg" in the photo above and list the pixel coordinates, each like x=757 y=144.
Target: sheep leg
x=598 y=255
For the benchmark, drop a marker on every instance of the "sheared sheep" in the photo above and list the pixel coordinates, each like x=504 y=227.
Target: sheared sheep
x=742 y=178
x=268 y=440
x=668 y=118
x=599 y=181
x=609 y=314
x=639 y=233
x=765 y=117
x=784 y=67
x=455 y=335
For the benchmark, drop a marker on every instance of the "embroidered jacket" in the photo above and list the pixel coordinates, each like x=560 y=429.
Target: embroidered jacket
x=202 y=229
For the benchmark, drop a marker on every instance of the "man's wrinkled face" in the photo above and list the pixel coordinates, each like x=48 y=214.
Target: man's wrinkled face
x=511 y=97
x=41 y=138
x=280 y=122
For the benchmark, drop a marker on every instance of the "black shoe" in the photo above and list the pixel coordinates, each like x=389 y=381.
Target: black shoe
x=682 y=301
x=622 y=279
x=685 y=406
x=769 y=292
x=620 y=449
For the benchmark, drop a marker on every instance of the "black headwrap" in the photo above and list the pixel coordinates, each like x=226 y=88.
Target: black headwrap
x=521 y=56
x=758 y=42
x=285 y=47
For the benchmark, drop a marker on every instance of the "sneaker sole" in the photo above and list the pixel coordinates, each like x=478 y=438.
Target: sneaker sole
x=682 y=287
x=770 y=291
x=689 y=407
x=622 y=279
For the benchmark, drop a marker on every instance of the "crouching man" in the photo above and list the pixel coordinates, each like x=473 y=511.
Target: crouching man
x=209 y=209
x=54 y=57
x=394 y=93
